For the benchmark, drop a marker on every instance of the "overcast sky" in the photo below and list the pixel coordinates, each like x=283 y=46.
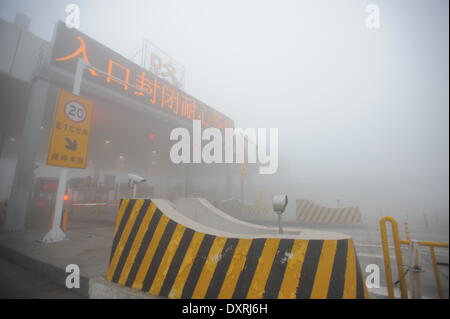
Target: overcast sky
x=362 y=113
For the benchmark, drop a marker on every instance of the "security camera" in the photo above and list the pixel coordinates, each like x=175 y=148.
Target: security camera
x=279 y=203
x=135 y=179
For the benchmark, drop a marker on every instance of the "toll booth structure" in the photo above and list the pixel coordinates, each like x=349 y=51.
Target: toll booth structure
x=134 y=112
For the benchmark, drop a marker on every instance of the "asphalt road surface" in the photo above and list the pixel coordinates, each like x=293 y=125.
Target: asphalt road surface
x=19 y=283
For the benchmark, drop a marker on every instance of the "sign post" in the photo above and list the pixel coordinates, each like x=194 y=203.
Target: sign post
x=69 y=143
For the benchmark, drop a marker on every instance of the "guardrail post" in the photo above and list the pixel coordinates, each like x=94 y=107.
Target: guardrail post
x=387 y=258
x=414 y=270
x=436 y=273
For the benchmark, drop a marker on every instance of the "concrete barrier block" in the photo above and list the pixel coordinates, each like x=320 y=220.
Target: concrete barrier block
x=159 y=251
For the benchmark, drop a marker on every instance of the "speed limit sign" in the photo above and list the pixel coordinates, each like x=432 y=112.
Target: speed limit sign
x=75 y=111
x=69 y=141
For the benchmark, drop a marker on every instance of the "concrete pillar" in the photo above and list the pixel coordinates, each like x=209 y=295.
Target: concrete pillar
x=4 y=121
x=26 y=157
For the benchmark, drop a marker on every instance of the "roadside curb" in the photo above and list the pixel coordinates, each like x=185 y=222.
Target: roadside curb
x=53 y=273
x=100 y=288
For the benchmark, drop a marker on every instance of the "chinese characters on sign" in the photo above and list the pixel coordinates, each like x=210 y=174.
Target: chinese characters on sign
x=126 y=76
x=69 y=139
x=162 y=65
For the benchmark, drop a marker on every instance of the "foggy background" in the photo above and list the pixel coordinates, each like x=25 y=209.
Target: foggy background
x=362 y=113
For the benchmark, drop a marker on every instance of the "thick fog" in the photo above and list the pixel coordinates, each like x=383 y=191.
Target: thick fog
x=362 y=113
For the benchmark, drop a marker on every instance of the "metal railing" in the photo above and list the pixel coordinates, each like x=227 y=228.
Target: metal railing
x=399 y=258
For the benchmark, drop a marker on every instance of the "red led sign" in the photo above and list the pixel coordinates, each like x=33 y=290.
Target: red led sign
x=135 y=81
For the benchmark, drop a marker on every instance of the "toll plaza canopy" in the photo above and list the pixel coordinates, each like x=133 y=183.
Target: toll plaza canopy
x=130 y=79
x=134 y=112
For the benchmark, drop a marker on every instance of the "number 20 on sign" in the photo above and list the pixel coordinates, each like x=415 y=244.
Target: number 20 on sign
x=69 y=139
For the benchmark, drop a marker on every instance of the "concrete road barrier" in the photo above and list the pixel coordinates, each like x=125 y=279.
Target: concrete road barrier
x=309 y=212
x=158 y=250
x=202 y=211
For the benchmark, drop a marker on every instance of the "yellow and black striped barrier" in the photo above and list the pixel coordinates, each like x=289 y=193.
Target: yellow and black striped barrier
x=154 y=253
x=309 y=212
